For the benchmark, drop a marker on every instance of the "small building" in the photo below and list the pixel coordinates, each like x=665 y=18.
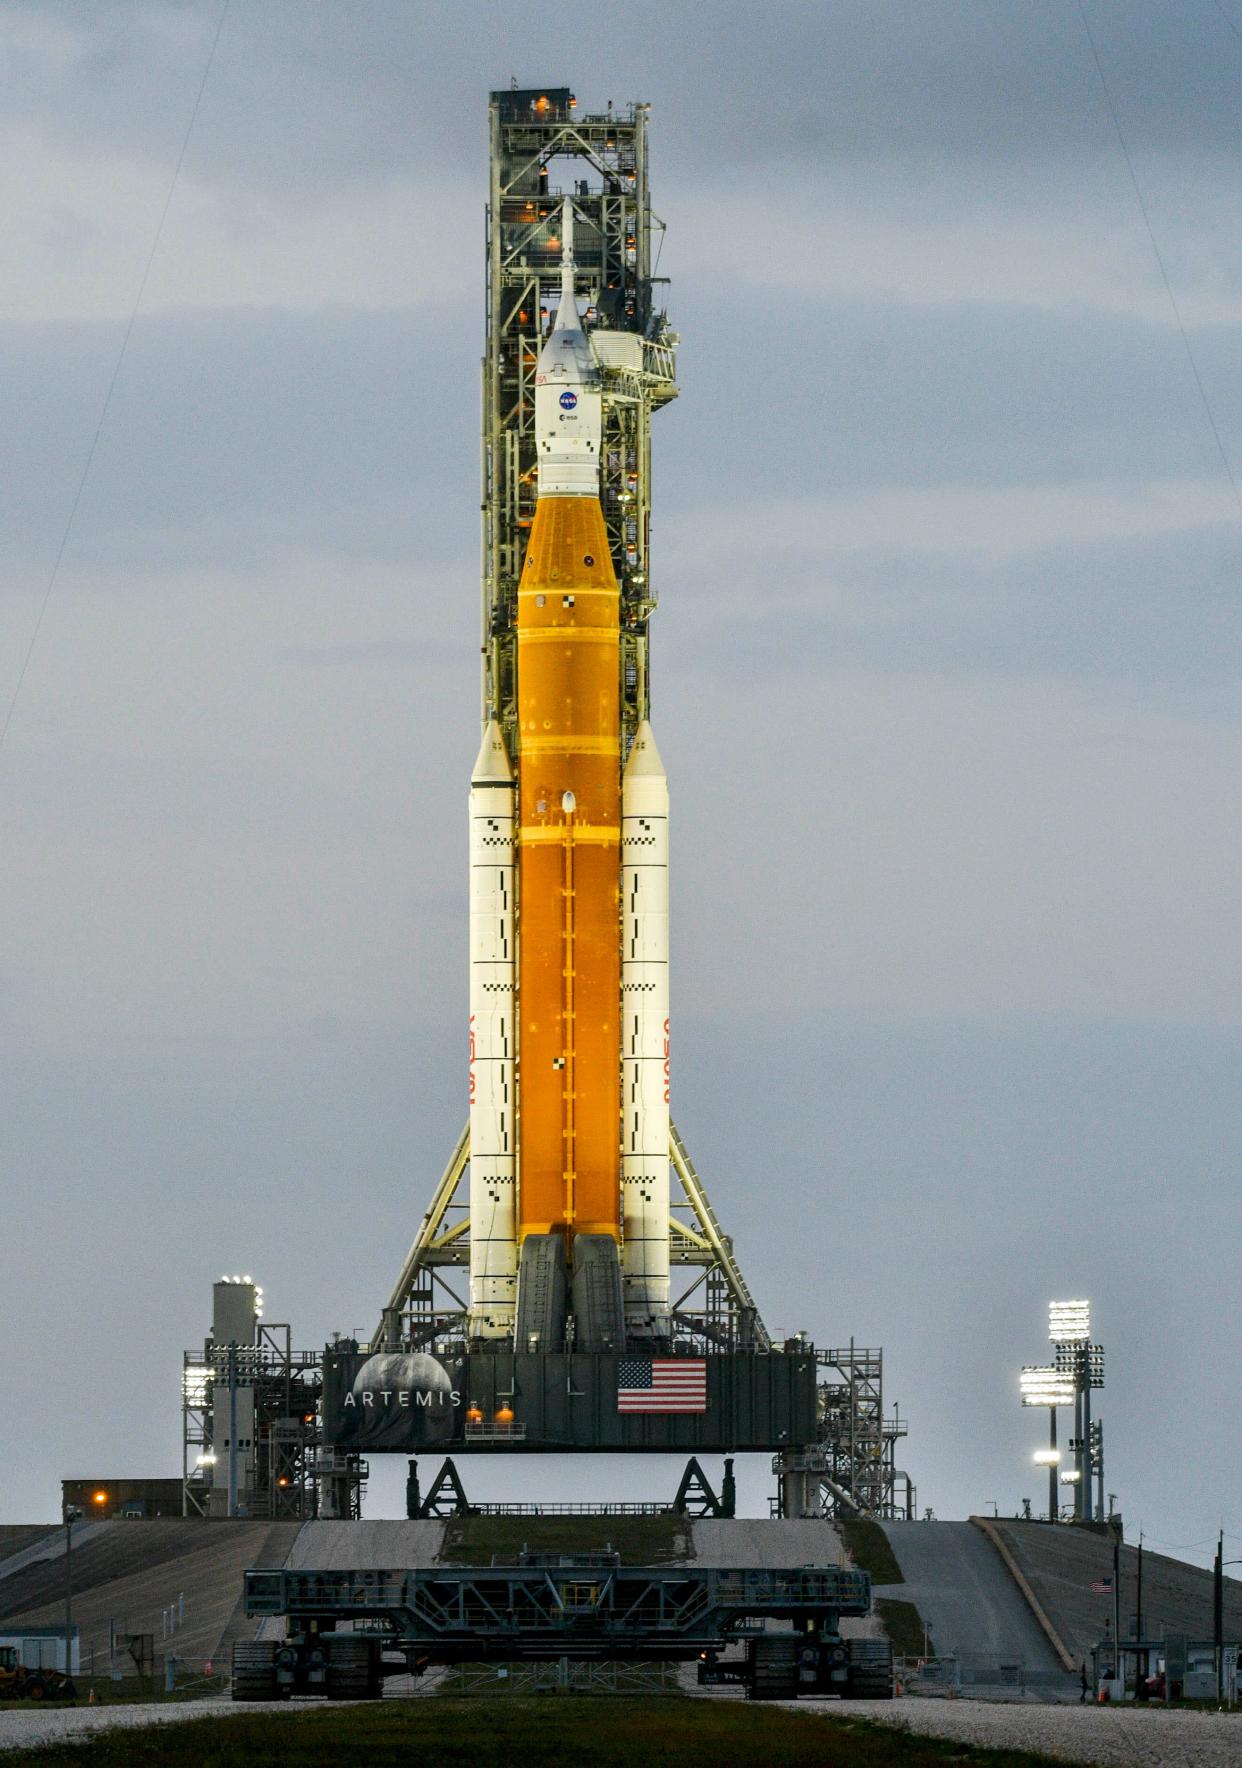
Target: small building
x=42 y=1648
x=1176 y=1668
x=127 y=1499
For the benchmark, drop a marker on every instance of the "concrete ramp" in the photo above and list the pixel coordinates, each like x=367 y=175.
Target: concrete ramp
x=22 y=1546
x=366 y=1546
x=20 y=1542
x=973 y=1609
x=131 y=1572
x=749 y=1541
x=1065 y=1567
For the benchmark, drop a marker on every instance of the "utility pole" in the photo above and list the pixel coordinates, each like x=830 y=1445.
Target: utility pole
x=1218 y=1614
x=72 y=1515
x=1053 y=1464
x=1117 y=1676
x=1140 y=1656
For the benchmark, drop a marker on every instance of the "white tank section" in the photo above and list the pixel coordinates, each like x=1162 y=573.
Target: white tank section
x=644 y=1040
x=493 y=1138
x=568 y=399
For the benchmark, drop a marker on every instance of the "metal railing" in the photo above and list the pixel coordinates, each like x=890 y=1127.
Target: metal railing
x=617 y=1508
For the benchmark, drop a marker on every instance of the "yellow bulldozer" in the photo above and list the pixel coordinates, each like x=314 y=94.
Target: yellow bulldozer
x=18 y=1682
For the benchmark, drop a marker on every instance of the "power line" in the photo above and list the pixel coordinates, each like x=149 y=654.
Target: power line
x=1159 y=257
x=116 y=371
x=1180 y=1546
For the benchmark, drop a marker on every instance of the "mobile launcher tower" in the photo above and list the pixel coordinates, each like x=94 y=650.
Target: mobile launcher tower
x=603 y=1311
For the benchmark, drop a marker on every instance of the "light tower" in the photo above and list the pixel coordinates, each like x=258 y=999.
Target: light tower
x=1068 y=1381
x=1069 y=1329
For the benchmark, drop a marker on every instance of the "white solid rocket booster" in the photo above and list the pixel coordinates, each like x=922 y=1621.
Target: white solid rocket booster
x=493 y=1129
x=644 y=1040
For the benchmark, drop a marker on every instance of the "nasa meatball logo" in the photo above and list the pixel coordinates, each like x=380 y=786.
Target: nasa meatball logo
x=568 y=401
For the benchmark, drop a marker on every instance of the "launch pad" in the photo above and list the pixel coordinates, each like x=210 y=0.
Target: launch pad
x=570 y=1287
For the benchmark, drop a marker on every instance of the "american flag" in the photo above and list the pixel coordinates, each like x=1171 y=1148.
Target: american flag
x=662 y=1384
x=1102 y=1585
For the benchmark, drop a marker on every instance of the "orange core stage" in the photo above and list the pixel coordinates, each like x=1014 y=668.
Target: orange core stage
x=569 y=810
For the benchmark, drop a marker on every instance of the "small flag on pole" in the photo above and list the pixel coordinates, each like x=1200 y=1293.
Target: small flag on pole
x=662 y=1384
x=1102 y=1586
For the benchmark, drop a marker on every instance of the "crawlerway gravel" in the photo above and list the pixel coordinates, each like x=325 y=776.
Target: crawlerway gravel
x=1117 y=1736
x=27 y=1730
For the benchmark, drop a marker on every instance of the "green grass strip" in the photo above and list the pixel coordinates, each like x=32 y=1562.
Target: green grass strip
x=869 y=1548
x=904 y=1625
x=606 y=1732
x=640 y=1540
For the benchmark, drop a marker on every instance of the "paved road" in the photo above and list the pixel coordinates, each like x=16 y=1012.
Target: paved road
x=130 y=1573
x=958 y=1582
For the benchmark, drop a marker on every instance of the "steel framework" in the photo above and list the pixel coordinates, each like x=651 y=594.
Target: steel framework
x=851 y=1469
x=715 y=1309
x=587 y=1604
x=536 y=138
x=280 y=1469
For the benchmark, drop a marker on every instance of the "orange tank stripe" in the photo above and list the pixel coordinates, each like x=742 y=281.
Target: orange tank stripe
x=569 y=959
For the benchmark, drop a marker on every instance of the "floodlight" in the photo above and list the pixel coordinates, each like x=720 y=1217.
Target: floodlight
x=1070 y=1477
x=194 y=1385
x=1046 y=1457
x=1069 y=1321
x=1044 y=1385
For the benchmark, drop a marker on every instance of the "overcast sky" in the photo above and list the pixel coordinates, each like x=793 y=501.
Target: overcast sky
x=945 y=677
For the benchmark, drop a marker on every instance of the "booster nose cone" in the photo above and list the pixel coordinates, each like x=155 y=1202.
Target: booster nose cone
x=644 y=756
x=492 y=768
x=568 y=405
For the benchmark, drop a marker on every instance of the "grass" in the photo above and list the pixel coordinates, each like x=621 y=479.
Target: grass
x=640 y=1540
x=869 y=1549
x=607 y=1733
x=904 y=1625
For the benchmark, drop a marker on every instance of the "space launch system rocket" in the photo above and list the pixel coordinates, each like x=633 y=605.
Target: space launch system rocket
x=569 y=1004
